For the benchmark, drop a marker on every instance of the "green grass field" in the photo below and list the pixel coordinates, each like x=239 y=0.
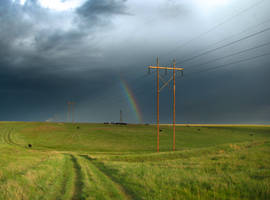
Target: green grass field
x=96 y=161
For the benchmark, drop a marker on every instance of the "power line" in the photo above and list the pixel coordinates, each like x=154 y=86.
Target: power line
x=224 y=65
x=231 y=55
x=142 y=90
x=200 y=35
x=218 y=48
x=229 y=19
x=226 y=45
x=220 y=24
x=240 y=33
x=137 y=90
x=206 y=70
x=216 y=26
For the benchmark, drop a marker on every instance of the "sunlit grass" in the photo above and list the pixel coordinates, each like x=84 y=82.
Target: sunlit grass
x=97 y=161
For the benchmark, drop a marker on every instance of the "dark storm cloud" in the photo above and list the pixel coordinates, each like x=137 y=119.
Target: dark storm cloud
x=48 y=58
x=42 y=95
x=94 y=9
x=40 y=58
x=30 y=30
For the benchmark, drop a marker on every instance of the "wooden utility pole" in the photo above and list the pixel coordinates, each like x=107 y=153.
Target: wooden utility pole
x=70 y=114
x=121 y=116
x=158 y=91
x=73 y=117
x=174 y=104
x=157 y=104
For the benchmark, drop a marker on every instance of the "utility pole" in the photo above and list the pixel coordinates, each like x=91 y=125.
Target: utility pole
x=55 y=118
x=121 y=116
x=158 y=91
x=72 y=104
x=157 y=68
x=157 y=104
x=174 y=104
x=70 y=114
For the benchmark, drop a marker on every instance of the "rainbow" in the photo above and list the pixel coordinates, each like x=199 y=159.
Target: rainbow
x=132 y=101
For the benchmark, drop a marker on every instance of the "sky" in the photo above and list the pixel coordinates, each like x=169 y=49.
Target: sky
x=96 y=53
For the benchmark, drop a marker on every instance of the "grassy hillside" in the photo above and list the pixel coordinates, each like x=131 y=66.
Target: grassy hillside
x=96 y=161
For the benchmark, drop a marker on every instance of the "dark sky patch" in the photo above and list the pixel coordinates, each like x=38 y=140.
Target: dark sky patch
x=83 y=54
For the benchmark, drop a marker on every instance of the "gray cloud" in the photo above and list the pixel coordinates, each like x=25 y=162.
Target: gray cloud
x=173 y=9
x=49 y=57
x=93 y=9
x=30 y=31
x=100 y=12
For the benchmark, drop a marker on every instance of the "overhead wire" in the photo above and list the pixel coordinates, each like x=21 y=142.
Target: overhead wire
x=216 y=67
x=239 y=33
x=226 y=45
x=222 y=23
x=136 y=91
x=223 y=46
x=231 y=55
x=142 y=90
x=217 y=26
x=224 y=65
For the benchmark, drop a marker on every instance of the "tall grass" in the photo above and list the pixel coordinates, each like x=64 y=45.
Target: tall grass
x=96 y=161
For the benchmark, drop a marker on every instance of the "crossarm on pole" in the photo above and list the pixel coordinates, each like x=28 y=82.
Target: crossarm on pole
x=154 y=67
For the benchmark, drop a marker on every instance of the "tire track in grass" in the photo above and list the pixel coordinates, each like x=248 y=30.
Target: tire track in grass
x=6 y=137
x=2 y=135
x=9 y=138
x=102 y=186
x=66 y=185
x=78 y=183
x=65 y=177
x=124 y=192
